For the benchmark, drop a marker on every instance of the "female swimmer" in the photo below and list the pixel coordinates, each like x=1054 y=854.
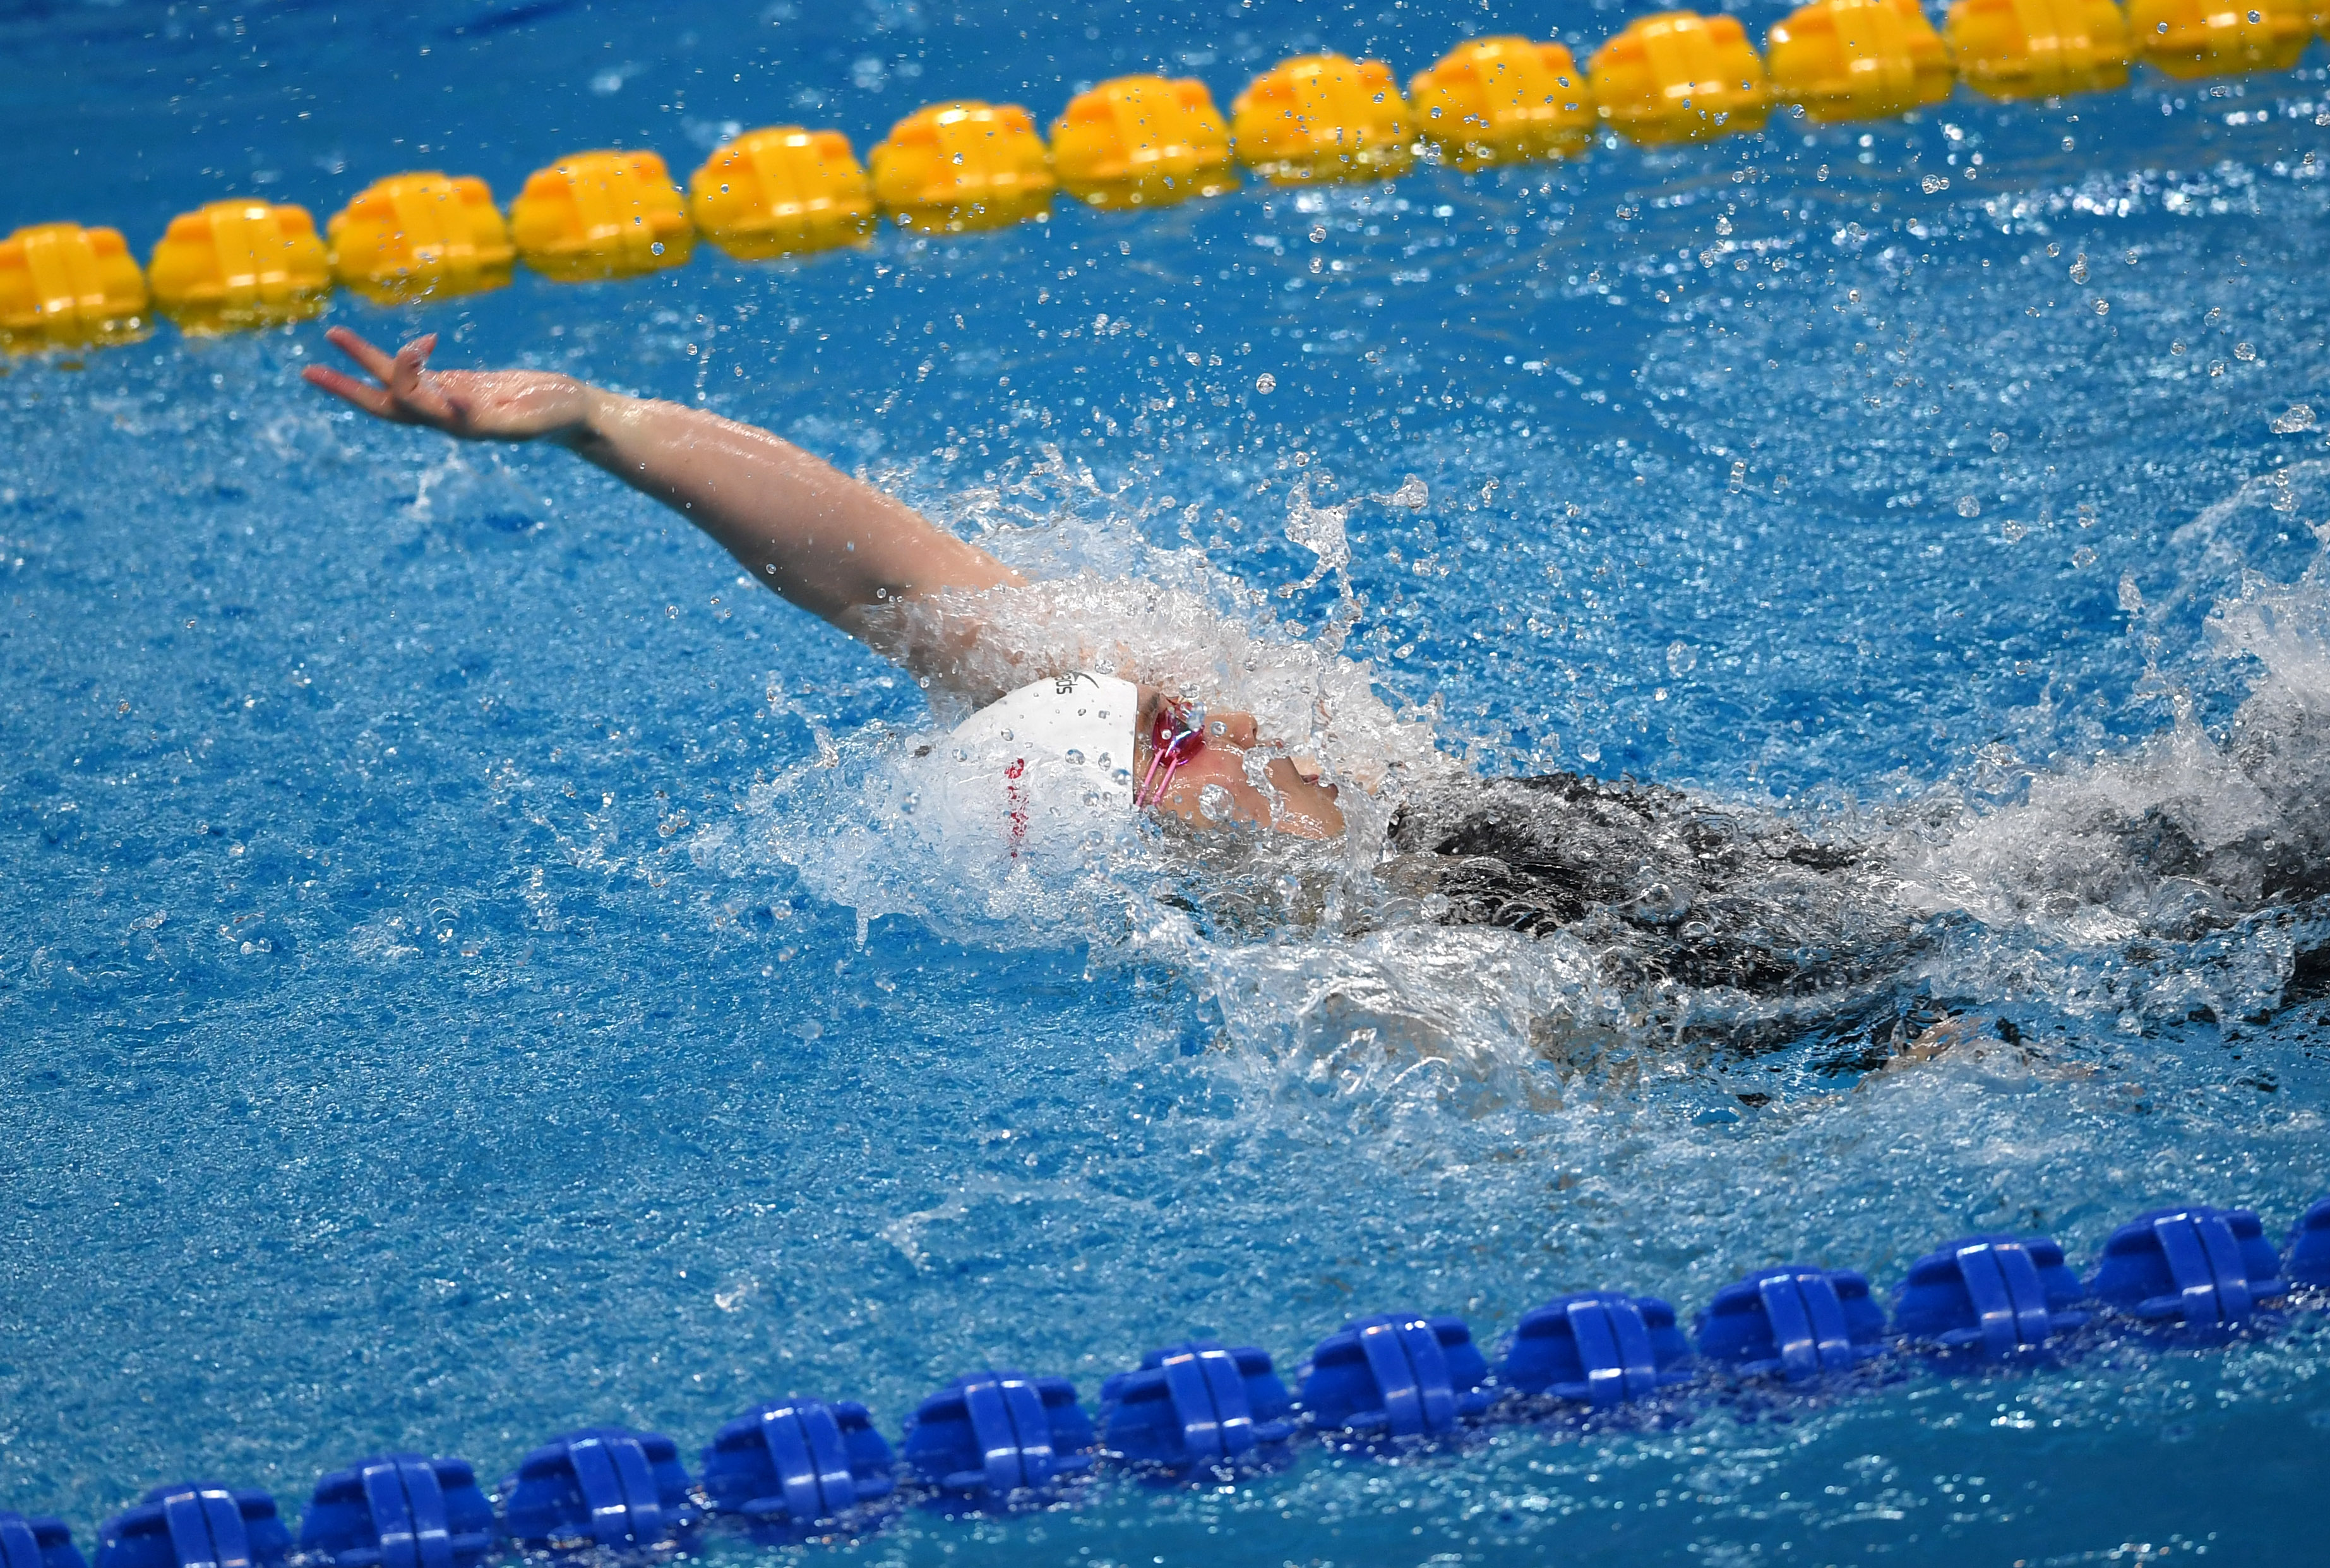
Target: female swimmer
x=1661 y=885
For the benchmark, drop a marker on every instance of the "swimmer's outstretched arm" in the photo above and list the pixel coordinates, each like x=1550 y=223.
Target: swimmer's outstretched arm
x=830 y=544
x=833 y=545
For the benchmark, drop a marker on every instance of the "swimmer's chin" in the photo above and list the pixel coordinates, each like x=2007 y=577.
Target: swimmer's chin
x=1296 y=808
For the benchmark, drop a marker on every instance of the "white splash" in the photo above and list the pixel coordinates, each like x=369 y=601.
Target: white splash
x=1320 y=531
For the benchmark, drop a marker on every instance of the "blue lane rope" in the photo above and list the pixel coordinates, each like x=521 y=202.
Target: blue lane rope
x=2206 y=1268
x=1997 y=1296
x=38 y=1543
x=399 y=1511
x=990 y=1438
x=1599 y=1348
x=1796 y=1321
x=1396 y=1377
x=804 y=1469
x=1195 y=1406
x=600 y=1487
x=790 y=1466
x=195 y=1525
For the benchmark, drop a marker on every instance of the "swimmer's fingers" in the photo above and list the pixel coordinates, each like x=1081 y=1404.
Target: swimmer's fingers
x=374 y=400
x=352 y=343
x=404 y=394
x=410 y=385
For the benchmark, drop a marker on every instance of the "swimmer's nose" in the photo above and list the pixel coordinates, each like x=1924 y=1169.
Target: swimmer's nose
x=1233 y=729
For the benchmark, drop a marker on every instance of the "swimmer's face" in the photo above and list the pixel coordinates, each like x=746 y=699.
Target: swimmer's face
x=1294 y=802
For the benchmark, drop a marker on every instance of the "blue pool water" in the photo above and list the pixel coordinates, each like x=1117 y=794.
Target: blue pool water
x=470 y=970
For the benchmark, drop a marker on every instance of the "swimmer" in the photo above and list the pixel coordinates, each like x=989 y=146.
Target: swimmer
x=1662 y=885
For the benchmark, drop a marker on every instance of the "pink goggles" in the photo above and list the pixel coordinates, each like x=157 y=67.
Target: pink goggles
x=1176 y=735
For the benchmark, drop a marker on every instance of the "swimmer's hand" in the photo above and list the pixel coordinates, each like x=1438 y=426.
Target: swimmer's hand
x=470 y=404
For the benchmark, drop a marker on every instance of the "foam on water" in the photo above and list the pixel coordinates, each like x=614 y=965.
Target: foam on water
x=2201 y=858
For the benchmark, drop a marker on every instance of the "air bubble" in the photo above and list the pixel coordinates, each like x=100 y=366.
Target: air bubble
x=1968 y=506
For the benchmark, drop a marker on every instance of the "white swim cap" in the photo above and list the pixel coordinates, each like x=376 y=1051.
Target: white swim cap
x=1063 y=744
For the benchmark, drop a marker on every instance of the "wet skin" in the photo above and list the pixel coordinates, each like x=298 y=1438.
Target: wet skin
x=1295 y=802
